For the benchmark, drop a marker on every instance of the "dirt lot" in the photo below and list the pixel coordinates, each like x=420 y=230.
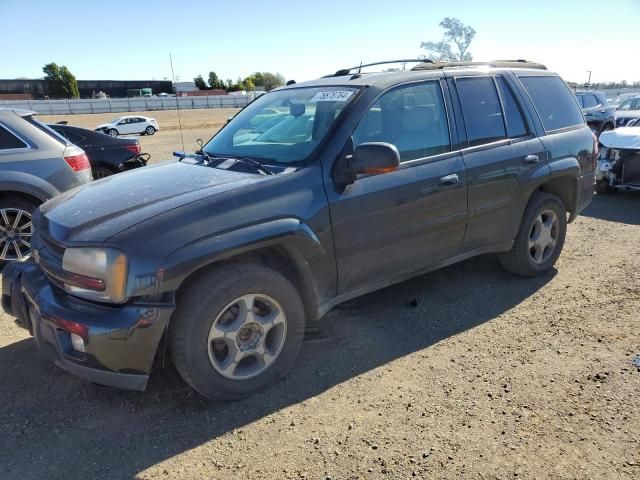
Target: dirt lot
x=195 y=124
x=467 y=372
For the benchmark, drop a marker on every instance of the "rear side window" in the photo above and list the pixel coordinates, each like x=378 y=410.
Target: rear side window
x=554 y=102
x=48 y=130
x=9 y=141
x=411 y=117
x=516 y=126
x=590 y=101
x=481 y=109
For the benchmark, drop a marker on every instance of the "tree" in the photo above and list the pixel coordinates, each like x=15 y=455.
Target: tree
x=258 y=79
x=61 y=83
x=272 y=81
x=199 y=81
x=248 y=85
x=215 y=82
x=456 y=35
x=69 y=83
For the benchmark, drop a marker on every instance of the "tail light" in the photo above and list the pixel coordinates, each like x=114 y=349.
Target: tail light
x=78 y=162
x=594 y=152
x=134 y=148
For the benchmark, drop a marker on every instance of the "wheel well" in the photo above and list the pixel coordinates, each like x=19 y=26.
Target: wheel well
x=10 y=193
x=277 y=258
x=564 y=188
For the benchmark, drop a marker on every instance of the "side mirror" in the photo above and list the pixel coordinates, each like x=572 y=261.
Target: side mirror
x=229 y=119
x=374 y=157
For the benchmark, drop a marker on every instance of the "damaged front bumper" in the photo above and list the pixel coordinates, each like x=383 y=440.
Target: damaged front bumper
x=119 y=343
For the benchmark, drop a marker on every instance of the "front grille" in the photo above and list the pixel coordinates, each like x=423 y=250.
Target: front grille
x=51 y=248
x=49 y=257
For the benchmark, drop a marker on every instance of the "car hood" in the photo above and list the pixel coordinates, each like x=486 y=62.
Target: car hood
x=105 y=125
x=99 y=210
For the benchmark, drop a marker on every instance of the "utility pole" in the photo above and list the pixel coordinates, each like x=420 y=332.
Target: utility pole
x=589 y=81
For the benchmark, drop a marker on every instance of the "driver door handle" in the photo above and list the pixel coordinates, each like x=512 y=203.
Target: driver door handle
x=449 y=180
x=531 y=159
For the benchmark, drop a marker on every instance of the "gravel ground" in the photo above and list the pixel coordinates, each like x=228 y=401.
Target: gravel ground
x=467 y=372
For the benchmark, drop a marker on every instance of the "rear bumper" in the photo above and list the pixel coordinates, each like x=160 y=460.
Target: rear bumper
x=120 y=341
x=586 y=186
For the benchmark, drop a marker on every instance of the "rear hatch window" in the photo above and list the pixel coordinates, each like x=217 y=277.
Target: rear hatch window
x=49 y=131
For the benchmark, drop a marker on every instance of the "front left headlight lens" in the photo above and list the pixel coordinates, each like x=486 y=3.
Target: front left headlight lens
x=98 y=274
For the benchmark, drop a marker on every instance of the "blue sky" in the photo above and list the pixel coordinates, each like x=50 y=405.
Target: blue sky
x=118 y=39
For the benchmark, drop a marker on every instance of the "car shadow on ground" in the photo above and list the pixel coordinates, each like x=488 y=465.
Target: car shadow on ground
x=52 y=424
x=622 y=207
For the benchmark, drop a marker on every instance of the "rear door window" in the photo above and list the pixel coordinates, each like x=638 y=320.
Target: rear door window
x=516 y=125
x=9 y=141
x=553 y=101
x=481 y=109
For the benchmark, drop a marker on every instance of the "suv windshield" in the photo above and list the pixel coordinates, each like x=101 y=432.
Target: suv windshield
x=283 y=126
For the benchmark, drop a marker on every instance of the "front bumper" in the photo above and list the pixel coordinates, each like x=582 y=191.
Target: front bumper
x=120 y=341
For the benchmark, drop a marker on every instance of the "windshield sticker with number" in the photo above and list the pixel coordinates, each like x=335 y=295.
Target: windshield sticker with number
x=332 y=96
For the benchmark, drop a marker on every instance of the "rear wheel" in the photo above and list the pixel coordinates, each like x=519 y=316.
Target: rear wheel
x=15 y=228
x=236 y=330
x=101 y=172
x=540 y=238
x=112 y=132
x=149 y=130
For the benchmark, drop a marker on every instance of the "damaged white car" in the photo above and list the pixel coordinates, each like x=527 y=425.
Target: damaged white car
x=619 y=161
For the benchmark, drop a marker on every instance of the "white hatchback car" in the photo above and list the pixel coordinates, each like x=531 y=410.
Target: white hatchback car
x=129 y=124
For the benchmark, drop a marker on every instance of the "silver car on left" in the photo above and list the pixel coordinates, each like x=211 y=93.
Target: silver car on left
x=36 y=164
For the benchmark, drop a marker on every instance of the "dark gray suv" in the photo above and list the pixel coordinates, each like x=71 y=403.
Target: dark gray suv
x=36 y=164
x=312 y=195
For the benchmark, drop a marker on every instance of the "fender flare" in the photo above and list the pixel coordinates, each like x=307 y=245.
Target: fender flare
x=296 y=238
x=21 y=182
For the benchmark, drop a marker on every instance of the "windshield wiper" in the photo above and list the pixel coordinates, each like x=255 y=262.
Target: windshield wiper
x=249 y=161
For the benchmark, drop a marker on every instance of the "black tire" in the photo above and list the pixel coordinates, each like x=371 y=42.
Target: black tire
x=11 y=203
x=519 y=259
x=603 y=188
x=149 y=130
x=112 y=132
x=208 y=297
x=101 y=172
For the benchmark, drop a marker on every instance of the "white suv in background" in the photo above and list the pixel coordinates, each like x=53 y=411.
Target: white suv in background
x=129 y=124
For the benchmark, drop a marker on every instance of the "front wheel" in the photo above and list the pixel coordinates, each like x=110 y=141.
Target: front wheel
x=540 y=237
x=236 y=330
x=149 y=130
x=112 y=132
x=15 y=229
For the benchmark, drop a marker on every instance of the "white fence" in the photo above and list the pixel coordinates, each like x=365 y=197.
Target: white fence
x=108 y=105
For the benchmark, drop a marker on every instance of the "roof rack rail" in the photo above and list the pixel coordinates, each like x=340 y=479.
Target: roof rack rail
x=347 y=71
x=519 y=63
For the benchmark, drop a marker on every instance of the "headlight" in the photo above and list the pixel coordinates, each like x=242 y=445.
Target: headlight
x=95 y=273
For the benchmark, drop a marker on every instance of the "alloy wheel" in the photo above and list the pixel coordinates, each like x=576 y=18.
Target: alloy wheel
x=247 y=336
x=543 y=237
x=15 y=234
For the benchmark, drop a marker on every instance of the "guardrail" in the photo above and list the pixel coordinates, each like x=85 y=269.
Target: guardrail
x=110 y=105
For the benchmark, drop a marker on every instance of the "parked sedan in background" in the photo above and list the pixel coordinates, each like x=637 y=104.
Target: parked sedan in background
x=108 y=155
x=628 y=111
x=36 y=164
x=599 y=115
x=129 y=124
